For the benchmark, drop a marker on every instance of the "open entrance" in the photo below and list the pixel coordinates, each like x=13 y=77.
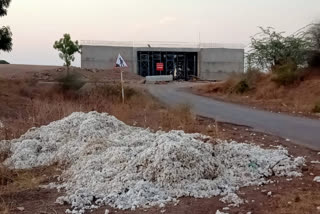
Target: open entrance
x=182 y=65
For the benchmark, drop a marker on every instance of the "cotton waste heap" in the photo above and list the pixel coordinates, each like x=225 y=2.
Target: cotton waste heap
x=110 y=163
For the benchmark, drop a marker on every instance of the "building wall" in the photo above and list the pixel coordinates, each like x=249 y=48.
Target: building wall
x=213 y=63
x=218 y=63
x=103 y=57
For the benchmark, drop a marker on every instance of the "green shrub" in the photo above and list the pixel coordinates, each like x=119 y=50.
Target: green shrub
x=314 y=59
x=286 y=74
x=242 y=87
x=316 y=108
x=71 y=82
x=4 y=62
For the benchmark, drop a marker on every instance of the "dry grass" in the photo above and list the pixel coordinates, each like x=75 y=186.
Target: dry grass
x=12 y=181
x=231 y=85
x=180 y=118
x=28 y=105
x=226 y=87
x=49 y=104
x=5 y=208
x=265 y=93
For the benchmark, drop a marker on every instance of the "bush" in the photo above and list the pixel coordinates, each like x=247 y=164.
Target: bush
x=4 y=62
x=270 y=48
x=286 y=74
x=236 y=83
x=242 y=87
x=71 y=82
x=316 y=108
x=314 y=59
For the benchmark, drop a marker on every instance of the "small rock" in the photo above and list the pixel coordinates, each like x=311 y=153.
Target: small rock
x=288 y=140
x=315 y=162
x=107 y=211
x=269 y=193
x=20 y=208
x=226 y=208
x=163 y=211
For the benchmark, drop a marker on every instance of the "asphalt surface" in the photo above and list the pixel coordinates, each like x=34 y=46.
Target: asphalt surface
x=299 y=130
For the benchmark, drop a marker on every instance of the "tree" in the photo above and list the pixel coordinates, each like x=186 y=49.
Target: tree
x=313 y=35
x=270 y=48
x=67 y=49
x=5 y=32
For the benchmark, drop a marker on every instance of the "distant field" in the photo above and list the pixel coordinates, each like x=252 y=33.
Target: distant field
x=51 y=73
x=22 y=71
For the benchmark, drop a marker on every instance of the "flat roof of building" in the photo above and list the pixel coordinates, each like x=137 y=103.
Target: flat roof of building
x=159 y=44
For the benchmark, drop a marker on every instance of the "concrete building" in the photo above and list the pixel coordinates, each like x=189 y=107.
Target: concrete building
x=182 y=60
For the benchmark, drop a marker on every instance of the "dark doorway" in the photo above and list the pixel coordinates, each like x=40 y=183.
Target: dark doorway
x=183 y=65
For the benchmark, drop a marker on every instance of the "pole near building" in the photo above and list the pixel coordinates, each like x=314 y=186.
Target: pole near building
x=120 y=63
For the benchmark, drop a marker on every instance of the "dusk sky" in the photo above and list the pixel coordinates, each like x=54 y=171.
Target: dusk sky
x=36 y=24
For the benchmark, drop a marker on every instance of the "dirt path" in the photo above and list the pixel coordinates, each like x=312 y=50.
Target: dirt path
x=302 y=131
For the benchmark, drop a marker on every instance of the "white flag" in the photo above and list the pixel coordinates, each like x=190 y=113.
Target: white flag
x=121 y=63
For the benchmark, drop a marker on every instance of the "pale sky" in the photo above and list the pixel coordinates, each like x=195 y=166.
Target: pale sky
x=36 y=24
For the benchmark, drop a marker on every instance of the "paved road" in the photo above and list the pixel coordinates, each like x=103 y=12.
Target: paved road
x=302 y=131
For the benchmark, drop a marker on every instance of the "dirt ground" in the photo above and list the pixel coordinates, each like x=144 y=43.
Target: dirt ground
x=296 y=196
x=299 y=195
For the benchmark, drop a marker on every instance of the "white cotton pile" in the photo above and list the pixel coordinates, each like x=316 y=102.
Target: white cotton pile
x=218 y=212
x=1 y=125
x=111 y=163
x=317 y=179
